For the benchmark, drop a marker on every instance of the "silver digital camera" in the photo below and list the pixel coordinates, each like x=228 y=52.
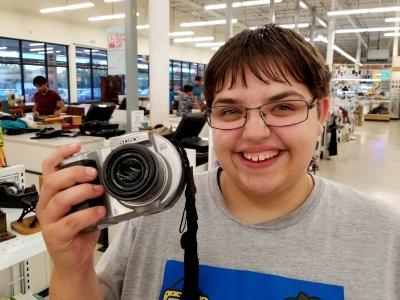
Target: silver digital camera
x=142 y=174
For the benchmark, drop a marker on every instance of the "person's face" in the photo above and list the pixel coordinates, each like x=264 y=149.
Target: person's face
x=242 y=152
x=41 y=88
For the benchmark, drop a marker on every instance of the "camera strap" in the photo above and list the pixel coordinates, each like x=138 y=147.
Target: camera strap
x=189 y=237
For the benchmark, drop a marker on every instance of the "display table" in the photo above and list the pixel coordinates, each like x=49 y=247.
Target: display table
x=21 y=149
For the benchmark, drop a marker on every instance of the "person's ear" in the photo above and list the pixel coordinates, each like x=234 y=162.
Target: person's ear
x=323 y=109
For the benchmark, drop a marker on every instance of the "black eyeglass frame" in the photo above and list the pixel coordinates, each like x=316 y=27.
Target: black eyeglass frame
x=311 y=105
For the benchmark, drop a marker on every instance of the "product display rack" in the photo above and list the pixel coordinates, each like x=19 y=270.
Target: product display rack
x=22 y=260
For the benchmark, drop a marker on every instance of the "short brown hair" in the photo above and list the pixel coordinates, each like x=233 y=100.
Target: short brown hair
x=268 y=51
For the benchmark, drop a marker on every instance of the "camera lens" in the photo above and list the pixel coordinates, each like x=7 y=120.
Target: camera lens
x=128 y=170
x=132 y=173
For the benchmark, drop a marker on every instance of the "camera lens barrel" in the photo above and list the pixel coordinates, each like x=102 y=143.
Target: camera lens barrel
x=132 y=173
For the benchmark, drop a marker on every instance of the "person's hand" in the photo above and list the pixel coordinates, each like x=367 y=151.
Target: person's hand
x=71 y=250
x=35 y=114
x=57 y=113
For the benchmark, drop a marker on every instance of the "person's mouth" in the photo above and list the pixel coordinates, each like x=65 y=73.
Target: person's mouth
x=259 y=157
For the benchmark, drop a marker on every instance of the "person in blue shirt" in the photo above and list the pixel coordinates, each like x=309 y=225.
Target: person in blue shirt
x=197 y=88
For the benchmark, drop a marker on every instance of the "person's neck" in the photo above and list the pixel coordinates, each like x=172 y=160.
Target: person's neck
x=255 y=209
x=44 y=92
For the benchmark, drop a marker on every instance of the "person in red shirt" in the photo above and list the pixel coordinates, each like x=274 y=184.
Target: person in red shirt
x=47 y=102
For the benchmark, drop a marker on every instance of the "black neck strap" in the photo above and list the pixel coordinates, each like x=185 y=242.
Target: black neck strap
x=189 y=237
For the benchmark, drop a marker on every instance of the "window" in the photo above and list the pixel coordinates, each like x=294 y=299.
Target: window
x=21 y=61
x=91 y=65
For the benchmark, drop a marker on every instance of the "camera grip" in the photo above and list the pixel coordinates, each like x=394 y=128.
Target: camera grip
x=91 y=202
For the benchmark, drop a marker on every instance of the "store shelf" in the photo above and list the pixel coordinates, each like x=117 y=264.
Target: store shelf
x=20 y=248
x=376 y=117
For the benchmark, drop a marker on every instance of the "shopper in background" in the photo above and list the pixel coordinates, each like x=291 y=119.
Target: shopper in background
x=267 y=228
x=186 y=101
x=197 y=88
x=47 y=101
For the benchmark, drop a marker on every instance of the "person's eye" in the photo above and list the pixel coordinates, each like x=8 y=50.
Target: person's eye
x=284 y=106
x=228 y=111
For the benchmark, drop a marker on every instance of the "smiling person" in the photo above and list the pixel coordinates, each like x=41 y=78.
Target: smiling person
x=267 y=229
x=47 y=101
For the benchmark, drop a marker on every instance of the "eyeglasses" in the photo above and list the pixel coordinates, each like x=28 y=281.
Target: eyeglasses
x=278 y=114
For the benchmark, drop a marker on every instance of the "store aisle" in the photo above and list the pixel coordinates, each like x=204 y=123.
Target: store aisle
x=371 y=162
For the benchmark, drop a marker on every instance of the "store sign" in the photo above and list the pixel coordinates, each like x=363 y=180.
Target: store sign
x=116 y=50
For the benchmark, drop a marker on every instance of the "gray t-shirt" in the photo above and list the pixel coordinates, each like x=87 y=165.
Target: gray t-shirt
x=340 y=244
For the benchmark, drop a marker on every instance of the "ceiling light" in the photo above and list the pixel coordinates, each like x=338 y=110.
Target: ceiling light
x=107 y=17
x=180 y=33
x=214 y=48
x=66 y=7
x=219 y=44
x=388 y=20
x=321 y=38
x=36 y=44
x=40 y=49
x=392 y=34
x=206 y=23
x=362 y=11
x=291 y=26
x=3 y=48
x=198 y=39
x=239 y=4
x=322 y=22
x=113 y=1
x=357 y=30
x=303 y=5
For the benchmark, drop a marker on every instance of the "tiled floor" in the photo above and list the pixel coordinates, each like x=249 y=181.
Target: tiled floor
x=370 y=162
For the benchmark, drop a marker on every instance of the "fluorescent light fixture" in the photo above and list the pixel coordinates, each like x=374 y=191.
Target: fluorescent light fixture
x=303 y=5
x=322 y=22
x=356 y=30
x=392 y=34
x=238 y=4
x=3 y=48
x=109 y=1
x=36 y=44
x=66 y=7
x=291 y=26
x=388 y=20
x=321 y=38
x=198 y=39
x=40 y=49
x=214 y=48
x=181 y=33
x=219 y=44
x=106 y=17
x=206 y=23
x=144 y=26
x=362 y=11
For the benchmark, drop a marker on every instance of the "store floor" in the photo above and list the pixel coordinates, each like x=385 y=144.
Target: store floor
x=370 y=162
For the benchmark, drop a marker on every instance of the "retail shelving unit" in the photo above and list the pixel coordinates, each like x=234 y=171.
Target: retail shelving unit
x=377 y=110
x=23 y=262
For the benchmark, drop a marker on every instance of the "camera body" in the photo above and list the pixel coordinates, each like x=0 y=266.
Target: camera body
x=142 y=174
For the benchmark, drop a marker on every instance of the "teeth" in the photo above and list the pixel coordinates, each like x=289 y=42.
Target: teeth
x=260 y=157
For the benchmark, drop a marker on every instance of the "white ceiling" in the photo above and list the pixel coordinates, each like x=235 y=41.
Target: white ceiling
x=192 y=10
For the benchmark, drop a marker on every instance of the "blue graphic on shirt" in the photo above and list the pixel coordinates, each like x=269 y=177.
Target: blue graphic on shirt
x=221 y=284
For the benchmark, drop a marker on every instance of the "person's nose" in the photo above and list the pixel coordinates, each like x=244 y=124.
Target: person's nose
x=255 y=127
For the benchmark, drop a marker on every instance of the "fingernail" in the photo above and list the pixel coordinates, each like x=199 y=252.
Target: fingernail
x=97 y=187
x=91 y=171
x=100 y=210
